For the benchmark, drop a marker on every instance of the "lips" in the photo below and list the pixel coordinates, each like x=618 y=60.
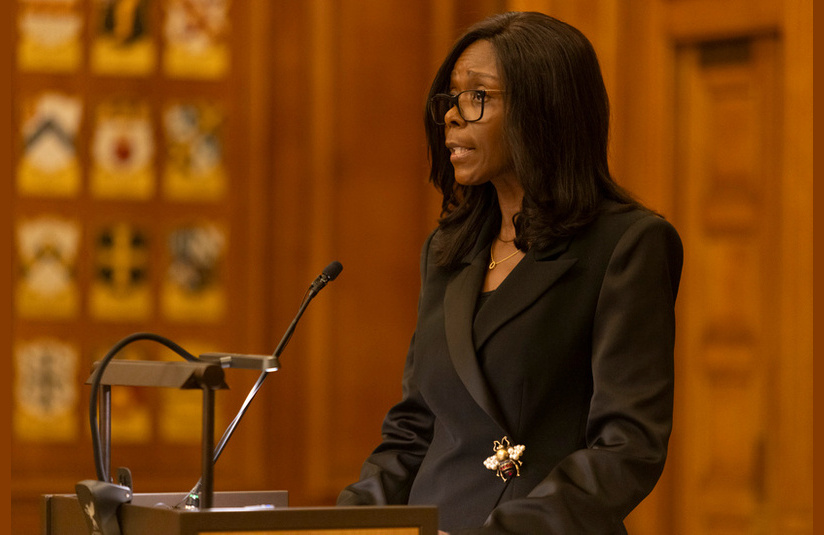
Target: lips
x=458 y=151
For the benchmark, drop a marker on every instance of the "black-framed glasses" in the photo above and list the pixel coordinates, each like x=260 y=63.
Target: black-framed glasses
x=470 y=104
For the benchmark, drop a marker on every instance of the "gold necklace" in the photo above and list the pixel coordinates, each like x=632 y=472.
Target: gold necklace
x=494 y=263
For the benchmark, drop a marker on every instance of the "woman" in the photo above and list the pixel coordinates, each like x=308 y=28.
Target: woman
x=537 y=391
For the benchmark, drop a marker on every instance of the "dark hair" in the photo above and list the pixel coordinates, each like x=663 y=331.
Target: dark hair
x=557 y=127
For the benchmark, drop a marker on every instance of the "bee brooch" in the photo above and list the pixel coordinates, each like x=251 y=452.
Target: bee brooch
x=506 y=461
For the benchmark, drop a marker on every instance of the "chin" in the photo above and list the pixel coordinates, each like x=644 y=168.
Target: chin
x=469 y=180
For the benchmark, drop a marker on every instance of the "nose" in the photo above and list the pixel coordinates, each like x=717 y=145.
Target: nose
x=453 y=116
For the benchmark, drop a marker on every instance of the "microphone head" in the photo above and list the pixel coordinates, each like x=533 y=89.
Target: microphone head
x=332 y=270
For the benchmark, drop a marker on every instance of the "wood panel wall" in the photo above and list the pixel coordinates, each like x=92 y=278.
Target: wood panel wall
x=54 y=465
x=709 y=131
x=330 y=94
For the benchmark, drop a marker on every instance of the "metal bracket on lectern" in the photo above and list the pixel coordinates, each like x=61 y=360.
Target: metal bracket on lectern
x=183 y=375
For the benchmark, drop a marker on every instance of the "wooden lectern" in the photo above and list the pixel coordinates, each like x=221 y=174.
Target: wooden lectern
x=241 y=513
x=221 y=513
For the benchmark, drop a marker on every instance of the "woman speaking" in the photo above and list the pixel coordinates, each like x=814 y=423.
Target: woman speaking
x=538 y=386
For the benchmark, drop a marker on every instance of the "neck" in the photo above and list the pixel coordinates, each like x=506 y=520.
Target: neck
x=509 y=201
x=507 y=232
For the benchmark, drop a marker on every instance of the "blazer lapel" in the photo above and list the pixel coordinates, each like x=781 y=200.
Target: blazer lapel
x=540 y=269
x=530 y=279
x=459 y=309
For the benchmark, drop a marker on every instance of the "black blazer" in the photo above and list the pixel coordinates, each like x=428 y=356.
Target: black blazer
x=571 y=357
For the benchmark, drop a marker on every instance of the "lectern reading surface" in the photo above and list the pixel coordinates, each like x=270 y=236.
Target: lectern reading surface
x=242 y=513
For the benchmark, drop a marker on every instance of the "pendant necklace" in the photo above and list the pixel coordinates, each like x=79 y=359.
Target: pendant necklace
x=494 y=262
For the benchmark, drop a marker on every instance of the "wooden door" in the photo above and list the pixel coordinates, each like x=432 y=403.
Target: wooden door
x=721 y=140
x=727 y=181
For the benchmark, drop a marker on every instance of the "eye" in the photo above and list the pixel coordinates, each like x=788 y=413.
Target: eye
x=478 y=95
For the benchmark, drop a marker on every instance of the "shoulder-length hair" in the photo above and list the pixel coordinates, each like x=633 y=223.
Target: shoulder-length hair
x=557 y=127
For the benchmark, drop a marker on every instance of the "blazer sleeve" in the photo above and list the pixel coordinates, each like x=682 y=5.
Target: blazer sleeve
x=630 y=417
x=387 y=474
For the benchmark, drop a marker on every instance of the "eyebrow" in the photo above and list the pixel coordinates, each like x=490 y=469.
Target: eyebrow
x=476 y=74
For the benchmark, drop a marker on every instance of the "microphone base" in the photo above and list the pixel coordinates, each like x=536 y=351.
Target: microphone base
x=100 y=501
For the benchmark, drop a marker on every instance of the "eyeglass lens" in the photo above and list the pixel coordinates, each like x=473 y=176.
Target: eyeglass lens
x=470 y=105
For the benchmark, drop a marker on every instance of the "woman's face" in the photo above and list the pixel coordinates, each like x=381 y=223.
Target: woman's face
x=478 y=150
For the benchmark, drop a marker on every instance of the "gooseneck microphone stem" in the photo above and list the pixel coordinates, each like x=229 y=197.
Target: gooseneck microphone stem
x=192 y=499
x=231 y=429
x=329 y=274
x=291 y=329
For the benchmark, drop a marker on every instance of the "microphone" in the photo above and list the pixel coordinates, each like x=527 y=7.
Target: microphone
x=266 y=363
x=329 y=274
x=272 y=363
